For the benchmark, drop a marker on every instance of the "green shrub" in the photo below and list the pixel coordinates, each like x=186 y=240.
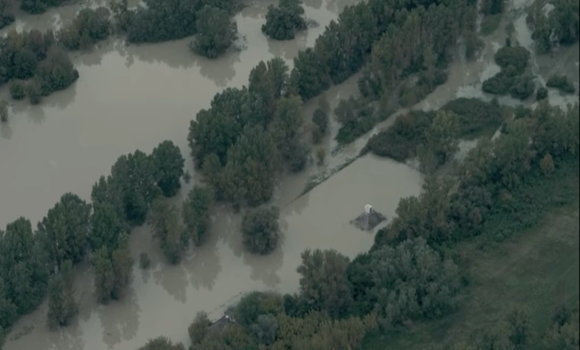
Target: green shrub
x=561 y=83
x=17 y=90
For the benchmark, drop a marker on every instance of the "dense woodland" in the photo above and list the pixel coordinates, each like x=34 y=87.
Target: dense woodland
x=251 y=134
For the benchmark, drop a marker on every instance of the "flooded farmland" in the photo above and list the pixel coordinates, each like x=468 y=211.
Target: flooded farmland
x=133 y=97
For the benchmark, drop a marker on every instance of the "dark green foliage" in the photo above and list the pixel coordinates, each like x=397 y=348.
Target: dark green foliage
x=283 y=21
x=321 y=119
x=475 y=116
x=215 y=32
x=168 y=163
x=265 y=329
x=8 y=311
x=217 y=129
x=195 y=212
x=261 y=230
x=356 y=119
x=17 y=90
x=6 y=15
x=441 y=140
x=298 y=157
x=254 y=304
x=66 y=227
x=523 y=87
x=309 y=75
x=561 y=26
x=492 y=7
x=24 y=267
x=3 y=111
x=106 y=226
x=198 y=328
x=541 y=94
x=62 y=306
x=285 y=132
x=513 y=61
x=38 y=6
x=165 y=224
x=112 y=270
x=408 y=282
x=269 y=82
x=563 y=333
x=323 y=282
x=401 y=139
x=562 y=83
x=33 y=55
x=252 y=163
x=162 y=343
x=89 y=27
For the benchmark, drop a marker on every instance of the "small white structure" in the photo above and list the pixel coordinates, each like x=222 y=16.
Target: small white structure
x=368 y=209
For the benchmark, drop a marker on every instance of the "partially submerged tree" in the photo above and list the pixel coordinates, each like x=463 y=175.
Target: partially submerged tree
x=62 y=306
x=215 y=32
x=261 y=230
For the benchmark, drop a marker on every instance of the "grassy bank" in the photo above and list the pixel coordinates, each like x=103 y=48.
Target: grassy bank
x=537 y=268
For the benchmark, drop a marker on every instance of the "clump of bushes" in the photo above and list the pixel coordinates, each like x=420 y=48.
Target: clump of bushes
x=513 y=61
x=215 y=32
x=356 y=118
x=541 y=94
x=17 y=90
x=284 y=21
x=89 y=27
x=261 y=230
x=561 y=83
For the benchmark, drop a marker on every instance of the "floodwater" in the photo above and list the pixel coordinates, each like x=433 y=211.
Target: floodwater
x=133 y=97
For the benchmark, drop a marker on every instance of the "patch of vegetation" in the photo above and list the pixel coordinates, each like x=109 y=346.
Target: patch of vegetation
x=560 y=26
x=513 y=61
x=284 y=21
x=476 y=117
x=261 y=230
x=215 y=32
x=561 y=83
x=89 y=27
x=490 y=24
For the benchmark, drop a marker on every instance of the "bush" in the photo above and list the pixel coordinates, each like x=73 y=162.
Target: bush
x=321 y=119
x=561 y=83
x=17 y=90
x=513 y=56
x=475 y=116
x=283 y=21
x=541 y=94
x=198 y=328
x=523 y=87
x=88 y=27
x=261 y=230
x=298 y=157
x=501 y=83
x=215 y=32
x=400 y=140
x=353 y=129
x=254 y=304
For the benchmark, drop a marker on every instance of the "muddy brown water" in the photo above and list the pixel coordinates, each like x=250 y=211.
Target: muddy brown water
x=133 y=97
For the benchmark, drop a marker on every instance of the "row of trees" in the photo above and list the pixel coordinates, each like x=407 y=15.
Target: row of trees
x=8 y=7
x=33 y=263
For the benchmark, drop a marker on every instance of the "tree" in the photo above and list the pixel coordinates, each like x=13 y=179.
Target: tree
x=106 y=226
x=442 y=136
x=283 y=21
x=168 y=163
x=122 y=264
x=132 y=181
x=88 y=27
x=198 y=328
x=261 y=230
x=162 y=343
x=323 y=282
x=410 y=281
x=104 y=275
x=252 y=163
x=321 y=119
x=55 y=73
x=215 y=32
x=286 y=124
x=164 y=221
x=24 y=265
x=17 y=90
x=62 y=306
x=195 y=212
x=265 y=329
x=8 y=311
x=519 y=326
x=66 y=226
x=523 y=87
